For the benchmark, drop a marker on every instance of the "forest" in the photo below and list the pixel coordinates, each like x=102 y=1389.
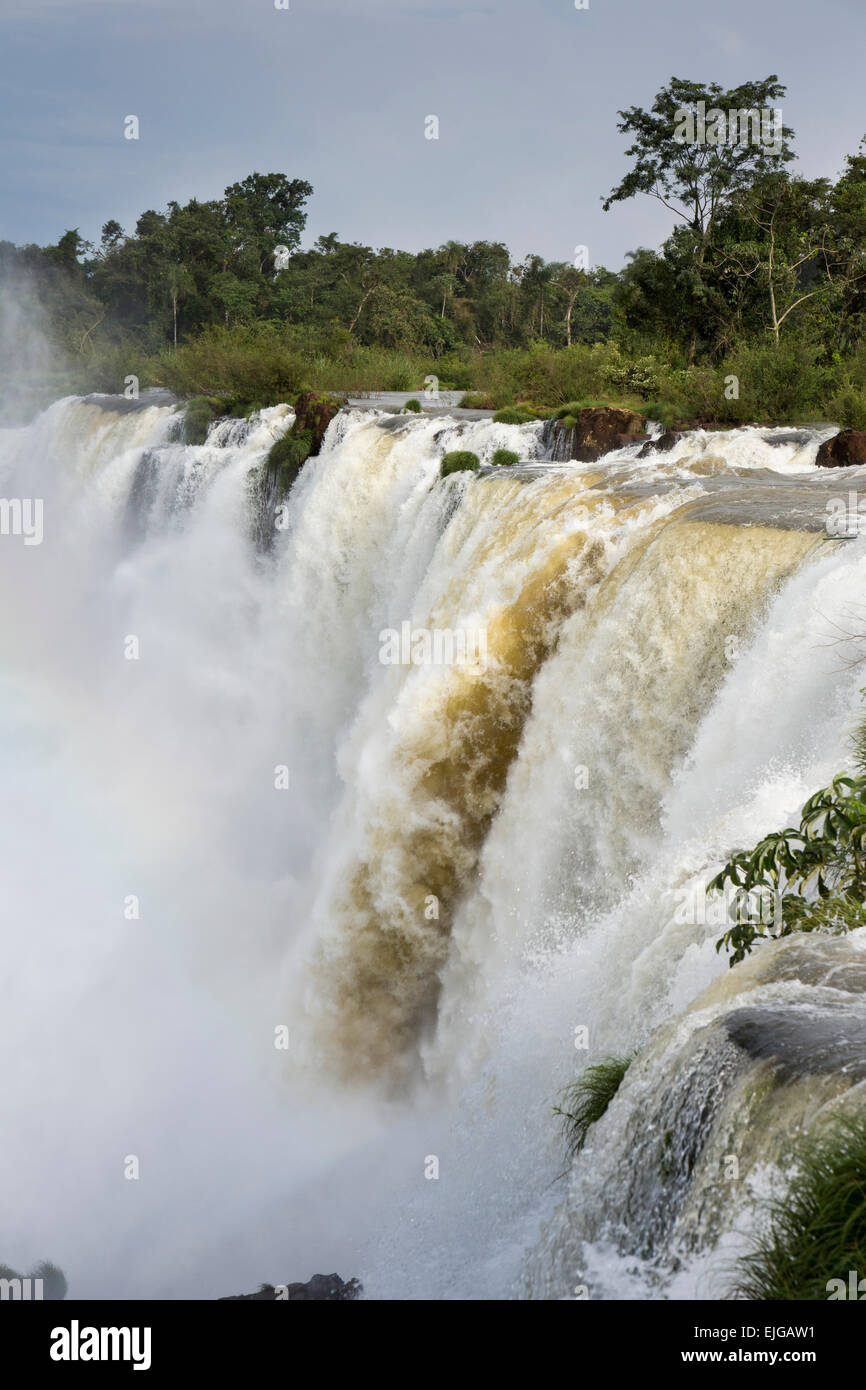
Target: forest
x=762 y=278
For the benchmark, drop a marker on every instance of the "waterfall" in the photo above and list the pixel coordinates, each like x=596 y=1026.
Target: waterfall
x=230 y=815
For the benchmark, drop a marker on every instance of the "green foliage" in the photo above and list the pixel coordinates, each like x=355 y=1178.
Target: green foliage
x=665 y=412
x=847 y=407
x=400 y=377
x=817 y=1231
x=199 y=415
x=814 y=875
x=455 y=372
x=288 y=455
x=513 y=415
x=504 y=458
x=458 y=461
x=640 y=376
x=247 y=366
x=763 y=278
x=413 y=407
x=587 y=1099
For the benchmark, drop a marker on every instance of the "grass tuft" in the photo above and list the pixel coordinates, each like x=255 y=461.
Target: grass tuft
x=817 y=1231
x=459 y=461
x=587 y=1099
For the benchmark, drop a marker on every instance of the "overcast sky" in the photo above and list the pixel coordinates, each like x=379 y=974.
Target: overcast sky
x=337 y=91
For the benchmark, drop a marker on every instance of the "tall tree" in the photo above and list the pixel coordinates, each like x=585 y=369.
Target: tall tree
x=696 y=148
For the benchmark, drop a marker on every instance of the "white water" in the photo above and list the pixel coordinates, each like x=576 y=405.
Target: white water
x=610 y=595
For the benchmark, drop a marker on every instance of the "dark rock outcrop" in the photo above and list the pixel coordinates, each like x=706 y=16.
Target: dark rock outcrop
x=662 y=445
x=314 y=411
x=592 y=433
x=844 y=449
x=322 y=1287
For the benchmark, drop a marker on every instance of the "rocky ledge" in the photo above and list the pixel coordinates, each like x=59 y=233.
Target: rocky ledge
x=844 y=449
x=321 y=1287
x=592 y=433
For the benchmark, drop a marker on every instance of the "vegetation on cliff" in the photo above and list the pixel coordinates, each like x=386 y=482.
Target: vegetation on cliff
x=810 y=877
x=754 y=308
x=816 y=1232
x=587 y=1099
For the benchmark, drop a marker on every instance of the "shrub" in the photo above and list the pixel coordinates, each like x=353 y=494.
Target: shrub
x=817 y=1232
x=667 y=413
x=247 y=365
x=401 y=376
x=504 y=458
x=847 y=407
x=456 y=371
x=477 y=400
x=512 y=415
x=288 y=456
x=813 y=876
x=788 y=381
x=198 y=417
x=413 y=406
x=587 y=1099
x=459 y=461
x=640 y=375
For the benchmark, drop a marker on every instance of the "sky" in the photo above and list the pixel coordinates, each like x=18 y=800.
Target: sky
x=337 y=92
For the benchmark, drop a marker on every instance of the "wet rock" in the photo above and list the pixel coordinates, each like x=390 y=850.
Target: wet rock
x=321 y=1288
x=592 y=433
x=662 y=445
x=779 y=439
x=314 y=411
x=844 y=449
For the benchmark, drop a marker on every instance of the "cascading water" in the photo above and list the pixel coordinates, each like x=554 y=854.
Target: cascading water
x=227 y=816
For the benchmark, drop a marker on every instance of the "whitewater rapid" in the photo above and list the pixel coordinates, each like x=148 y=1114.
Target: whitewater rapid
x=431 y=879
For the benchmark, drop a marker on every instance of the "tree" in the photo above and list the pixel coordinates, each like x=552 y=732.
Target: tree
x=571 y=281
x=264 y=211
x=697 y=177
x=791 y=249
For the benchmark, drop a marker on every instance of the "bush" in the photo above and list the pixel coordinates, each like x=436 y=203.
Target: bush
x=456 y=371
x=811 y=878
x=817 y=1232
x=512 y=415
x=667 y=413
x=640 y=376
x=401 y=376
x=477 y=400
x=198 y=417
x=587 y=1099
x=459 y=461
x=848 y=408
x=413 y=406
x=783 y=382
x=504 y=458
x=288 y=456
